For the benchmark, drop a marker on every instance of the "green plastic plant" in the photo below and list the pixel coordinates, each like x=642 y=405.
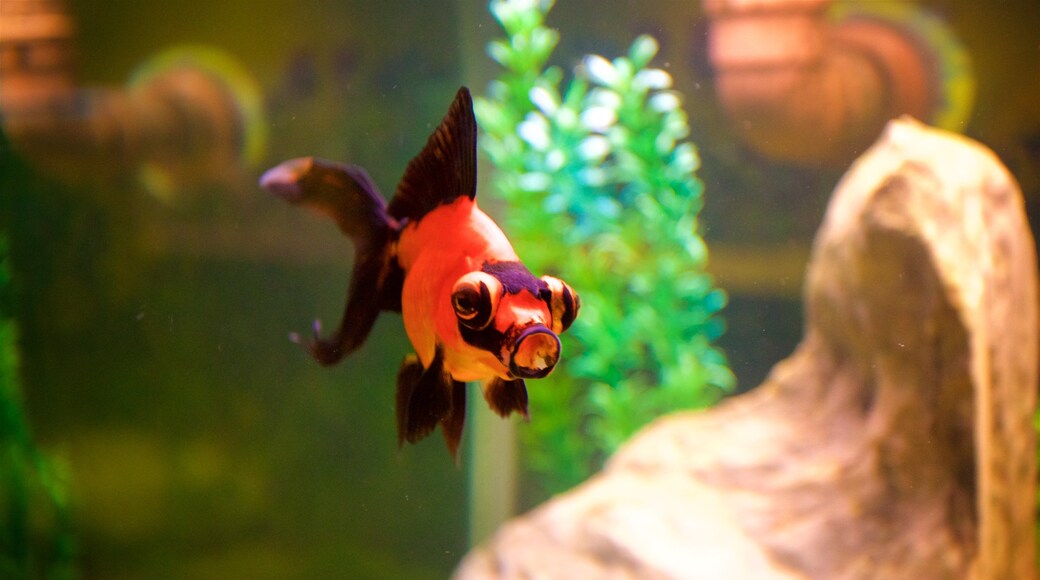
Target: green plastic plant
x=36 y=538
x=601 y=188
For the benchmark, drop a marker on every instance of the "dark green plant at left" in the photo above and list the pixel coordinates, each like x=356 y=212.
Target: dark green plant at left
x=36 y=539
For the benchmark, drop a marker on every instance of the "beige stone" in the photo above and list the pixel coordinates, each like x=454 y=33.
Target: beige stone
x=895 y=442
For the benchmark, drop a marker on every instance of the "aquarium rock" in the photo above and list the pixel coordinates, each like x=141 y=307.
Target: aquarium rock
x=896 y=442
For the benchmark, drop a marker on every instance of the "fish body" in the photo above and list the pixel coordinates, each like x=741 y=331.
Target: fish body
x=432 y=262
x=471 y=309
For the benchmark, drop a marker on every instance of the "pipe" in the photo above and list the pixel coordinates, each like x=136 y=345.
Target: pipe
x=802 y=89
x=187 y=119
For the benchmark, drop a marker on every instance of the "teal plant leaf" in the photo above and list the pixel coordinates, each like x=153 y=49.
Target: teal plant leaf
x=600 y=189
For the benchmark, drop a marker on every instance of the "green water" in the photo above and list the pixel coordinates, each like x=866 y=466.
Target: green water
x=203 y=443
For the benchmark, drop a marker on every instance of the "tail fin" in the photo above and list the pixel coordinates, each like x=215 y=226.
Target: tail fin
x=347 y=195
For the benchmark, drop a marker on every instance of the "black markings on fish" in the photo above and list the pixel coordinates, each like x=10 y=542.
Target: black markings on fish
x=515 y=277
x=504 y=397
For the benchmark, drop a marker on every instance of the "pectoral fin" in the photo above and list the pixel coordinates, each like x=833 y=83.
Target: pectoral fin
x=504 y=397
x=428 y=397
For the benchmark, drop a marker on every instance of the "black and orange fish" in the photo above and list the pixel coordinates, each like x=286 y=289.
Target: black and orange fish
x=471 y=309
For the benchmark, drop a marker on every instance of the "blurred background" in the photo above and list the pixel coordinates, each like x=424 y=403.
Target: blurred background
x=154 y=284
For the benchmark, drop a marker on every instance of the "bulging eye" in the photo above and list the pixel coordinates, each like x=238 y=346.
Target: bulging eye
x=474 y=298
x=564 y=304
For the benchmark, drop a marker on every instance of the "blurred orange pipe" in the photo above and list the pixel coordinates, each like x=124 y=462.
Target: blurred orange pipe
x=178 y=126
x=801 y=89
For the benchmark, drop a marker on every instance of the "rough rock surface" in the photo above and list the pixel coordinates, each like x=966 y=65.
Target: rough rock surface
x=896 y=441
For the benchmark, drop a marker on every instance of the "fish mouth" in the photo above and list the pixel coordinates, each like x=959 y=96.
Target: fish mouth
x=535 y=353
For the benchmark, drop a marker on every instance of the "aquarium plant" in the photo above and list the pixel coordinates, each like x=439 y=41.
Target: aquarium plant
x=600 y=186
x=36 y=538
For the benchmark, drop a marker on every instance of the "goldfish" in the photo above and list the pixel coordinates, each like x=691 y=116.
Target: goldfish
x=471 y=309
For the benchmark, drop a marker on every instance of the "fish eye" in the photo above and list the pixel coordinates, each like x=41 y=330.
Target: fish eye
x=564 y=303
x=474 y=298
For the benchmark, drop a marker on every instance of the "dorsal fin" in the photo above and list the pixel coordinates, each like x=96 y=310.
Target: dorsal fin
x=445 y=169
